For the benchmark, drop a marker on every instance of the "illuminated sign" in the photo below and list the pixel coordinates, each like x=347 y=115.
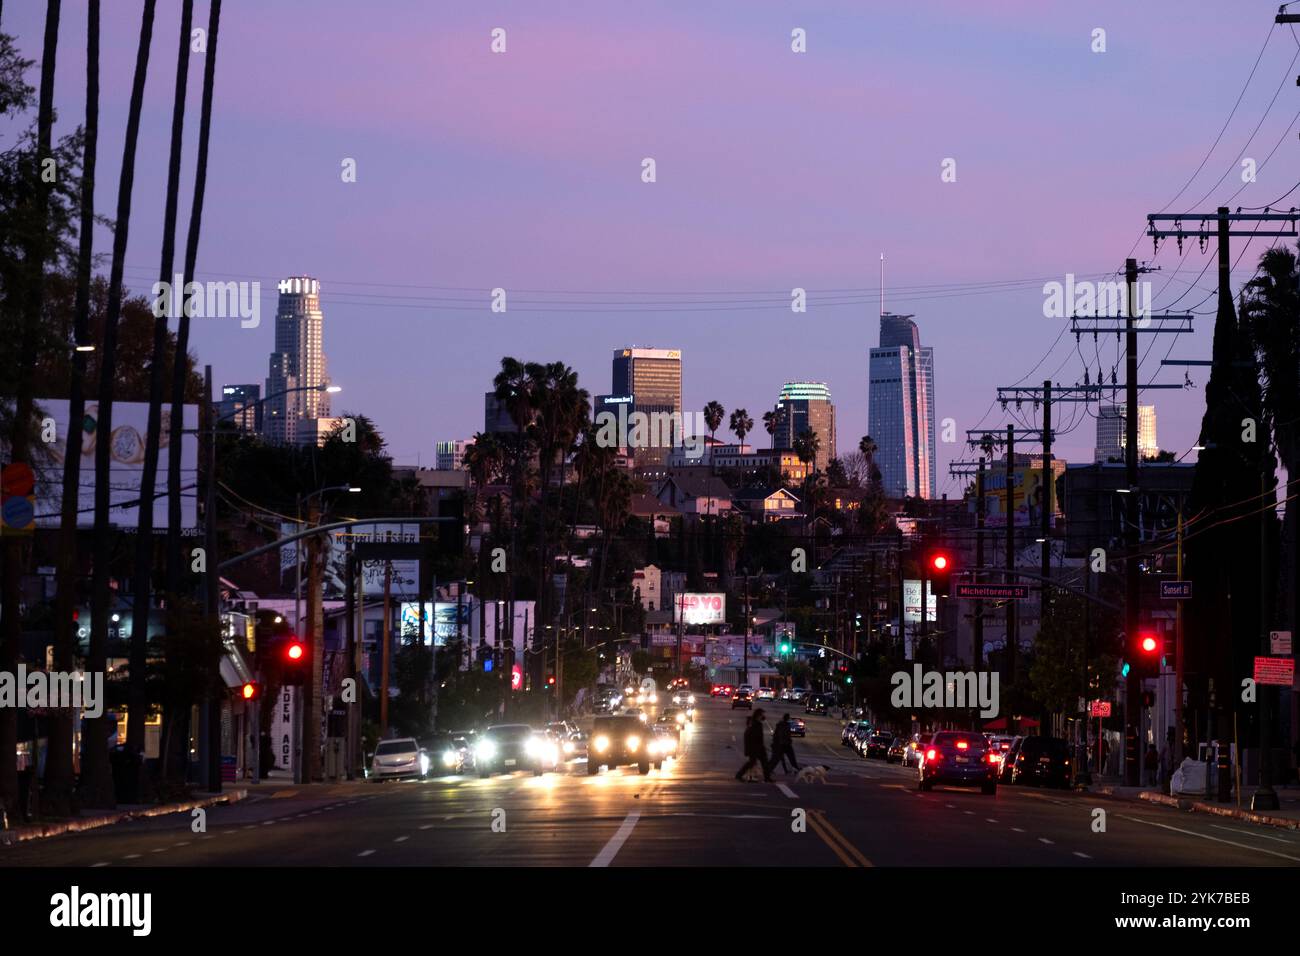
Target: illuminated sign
x=700 y=609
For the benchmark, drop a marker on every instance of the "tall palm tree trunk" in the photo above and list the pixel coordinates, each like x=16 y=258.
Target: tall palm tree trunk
x=181 y=365
x=30 y=303
x=98 y=786
x=144 y=543
x=58 y=765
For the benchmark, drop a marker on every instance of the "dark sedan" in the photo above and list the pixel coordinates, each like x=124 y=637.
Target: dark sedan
x=1039 y=761
x=958 y=758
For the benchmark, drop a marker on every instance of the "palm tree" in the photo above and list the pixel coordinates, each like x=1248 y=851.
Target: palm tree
x=806 y=446
x=97 y=660
x=180 y=366
x=713 y=415
x=1269 y=310
x=144 y=550
x=869 y=448
x=741 y=424
x=58 y=766
x=771 y=422
x=29 y=301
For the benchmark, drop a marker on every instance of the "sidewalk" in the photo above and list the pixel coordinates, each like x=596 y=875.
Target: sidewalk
x=94 y=820
x=1287 y=815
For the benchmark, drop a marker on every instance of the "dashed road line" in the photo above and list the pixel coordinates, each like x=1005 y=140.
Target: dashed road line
x=365 y=853
x=787 y=791
x=606 y=856
x=1047 y=841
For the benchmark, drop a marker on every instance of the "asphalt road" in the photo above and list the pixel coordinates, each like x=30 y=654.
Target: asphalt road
x=693 y=812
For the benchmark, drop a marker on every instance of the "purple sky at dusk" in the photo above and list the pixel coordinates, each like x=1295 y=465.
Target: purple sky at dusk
x=775 y=170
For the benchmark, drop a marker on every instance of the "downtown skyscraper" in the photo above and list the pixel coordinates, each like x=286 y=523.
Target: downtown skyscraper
x=648 y=381
x=298 y=407
x=807 y=407
x=900 y=413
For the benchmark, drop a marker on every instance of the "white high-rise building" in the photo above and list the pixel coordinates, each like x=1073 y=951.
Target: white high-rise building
x=451 y=454
x=900 y=414
x=298 y=362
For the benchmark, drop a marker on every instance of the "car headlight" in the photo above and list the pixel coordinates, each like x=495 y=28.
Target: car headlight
x=569 y=747
x=533 y=747
x=633 y=742
x=424 y=763
x=681 y=718
x=602 y=743
x=486 y=750
x=449 y=758
x=644 y=717
x=653 y=747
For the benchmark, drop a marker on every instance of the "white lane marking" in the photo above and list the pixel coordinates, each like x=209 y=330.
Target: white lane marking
x=969 y=813
x=1017 y=829
x=1262 y=836
x=1082 y=856
x=986 y=819
x=429 y=826
x=365 y=852
x=131 y=856
x=787 y=791
x=606 y=856
x=1206 y=836
x=1047 y=841
x=187 y=842
x=161 y=849
x=94 y=865
x=400 y=839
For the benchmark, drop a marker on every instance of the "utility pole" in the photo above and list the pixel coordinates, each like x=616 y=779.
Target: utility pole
x=1045 y=506
x=1013 y=631
x=981 y=511
x=386 y=652
x=212 y=580
x=1265 y=797
x=1132 y=703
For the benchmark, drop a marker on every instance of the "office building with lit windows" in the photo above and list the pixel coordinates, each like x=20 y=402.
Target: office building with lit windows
x=900 y=412
x=807 y=407
x=652 y=379
x=295 y=387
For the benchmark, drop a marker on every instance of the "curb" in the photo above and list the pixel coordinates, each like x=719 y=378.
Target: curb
x=41 y=831
x=1199 y=806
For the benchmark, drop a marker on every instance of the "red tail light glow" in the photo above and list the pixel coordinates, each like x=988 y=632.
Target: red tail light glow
x=962 y=745
x=930 y=754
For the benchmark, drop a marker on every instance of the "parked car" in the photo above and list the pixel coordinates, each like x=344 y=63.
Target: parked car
x=852 y=731
x=915 y=748
x=1041 y=761
x=797 y=694
x=398 y=758
x=896 y=748
x=958 y=758
x=1008 y=761
x=876 y=745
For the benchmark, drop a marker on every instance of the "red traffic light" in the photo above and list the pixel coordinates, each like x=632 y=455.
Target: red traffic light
x=550 y=681
x=1149 y=644
x=249 y=691
x=939 y=562
x=295 y=651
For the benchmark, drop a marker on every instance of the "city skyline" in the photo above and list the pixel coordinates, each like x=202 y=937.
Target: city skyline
x=288 y=212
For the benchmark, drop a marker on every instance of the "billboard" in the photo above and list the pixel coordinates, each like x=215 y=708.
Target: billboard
x=912 y=602
x=126 y=462
x=1026 y=495
x=440 y=624
x=689 y=608
x=405 y=579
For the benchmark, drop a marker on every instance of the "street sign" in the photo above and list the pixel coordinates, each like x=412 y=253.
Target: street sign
x=994 y=592
x=1276 y=671
x=1100 y=708
x=1279 y=642
x=1176 y=590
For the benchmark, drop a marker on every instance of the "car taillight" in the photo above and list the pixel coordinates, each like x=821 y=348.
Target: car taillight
x=993 y=758
x=962 y=745
x=931 y=754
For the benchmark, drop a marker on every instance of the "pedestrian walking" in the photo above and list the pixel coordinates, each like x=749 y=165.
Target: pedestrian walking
x=783 y=745
x=755 y=748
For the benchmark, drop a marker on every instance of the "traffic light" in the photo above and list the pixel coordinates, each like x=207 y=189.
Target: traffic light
x=294 y=660
x=550 y=681
x=939 y=571
x=1142 y=657
x=785 y=648
x=251 y=690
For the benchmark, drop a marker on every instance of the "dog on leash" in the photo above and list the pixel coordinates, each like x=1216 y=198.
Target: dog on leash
x=812 y=774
